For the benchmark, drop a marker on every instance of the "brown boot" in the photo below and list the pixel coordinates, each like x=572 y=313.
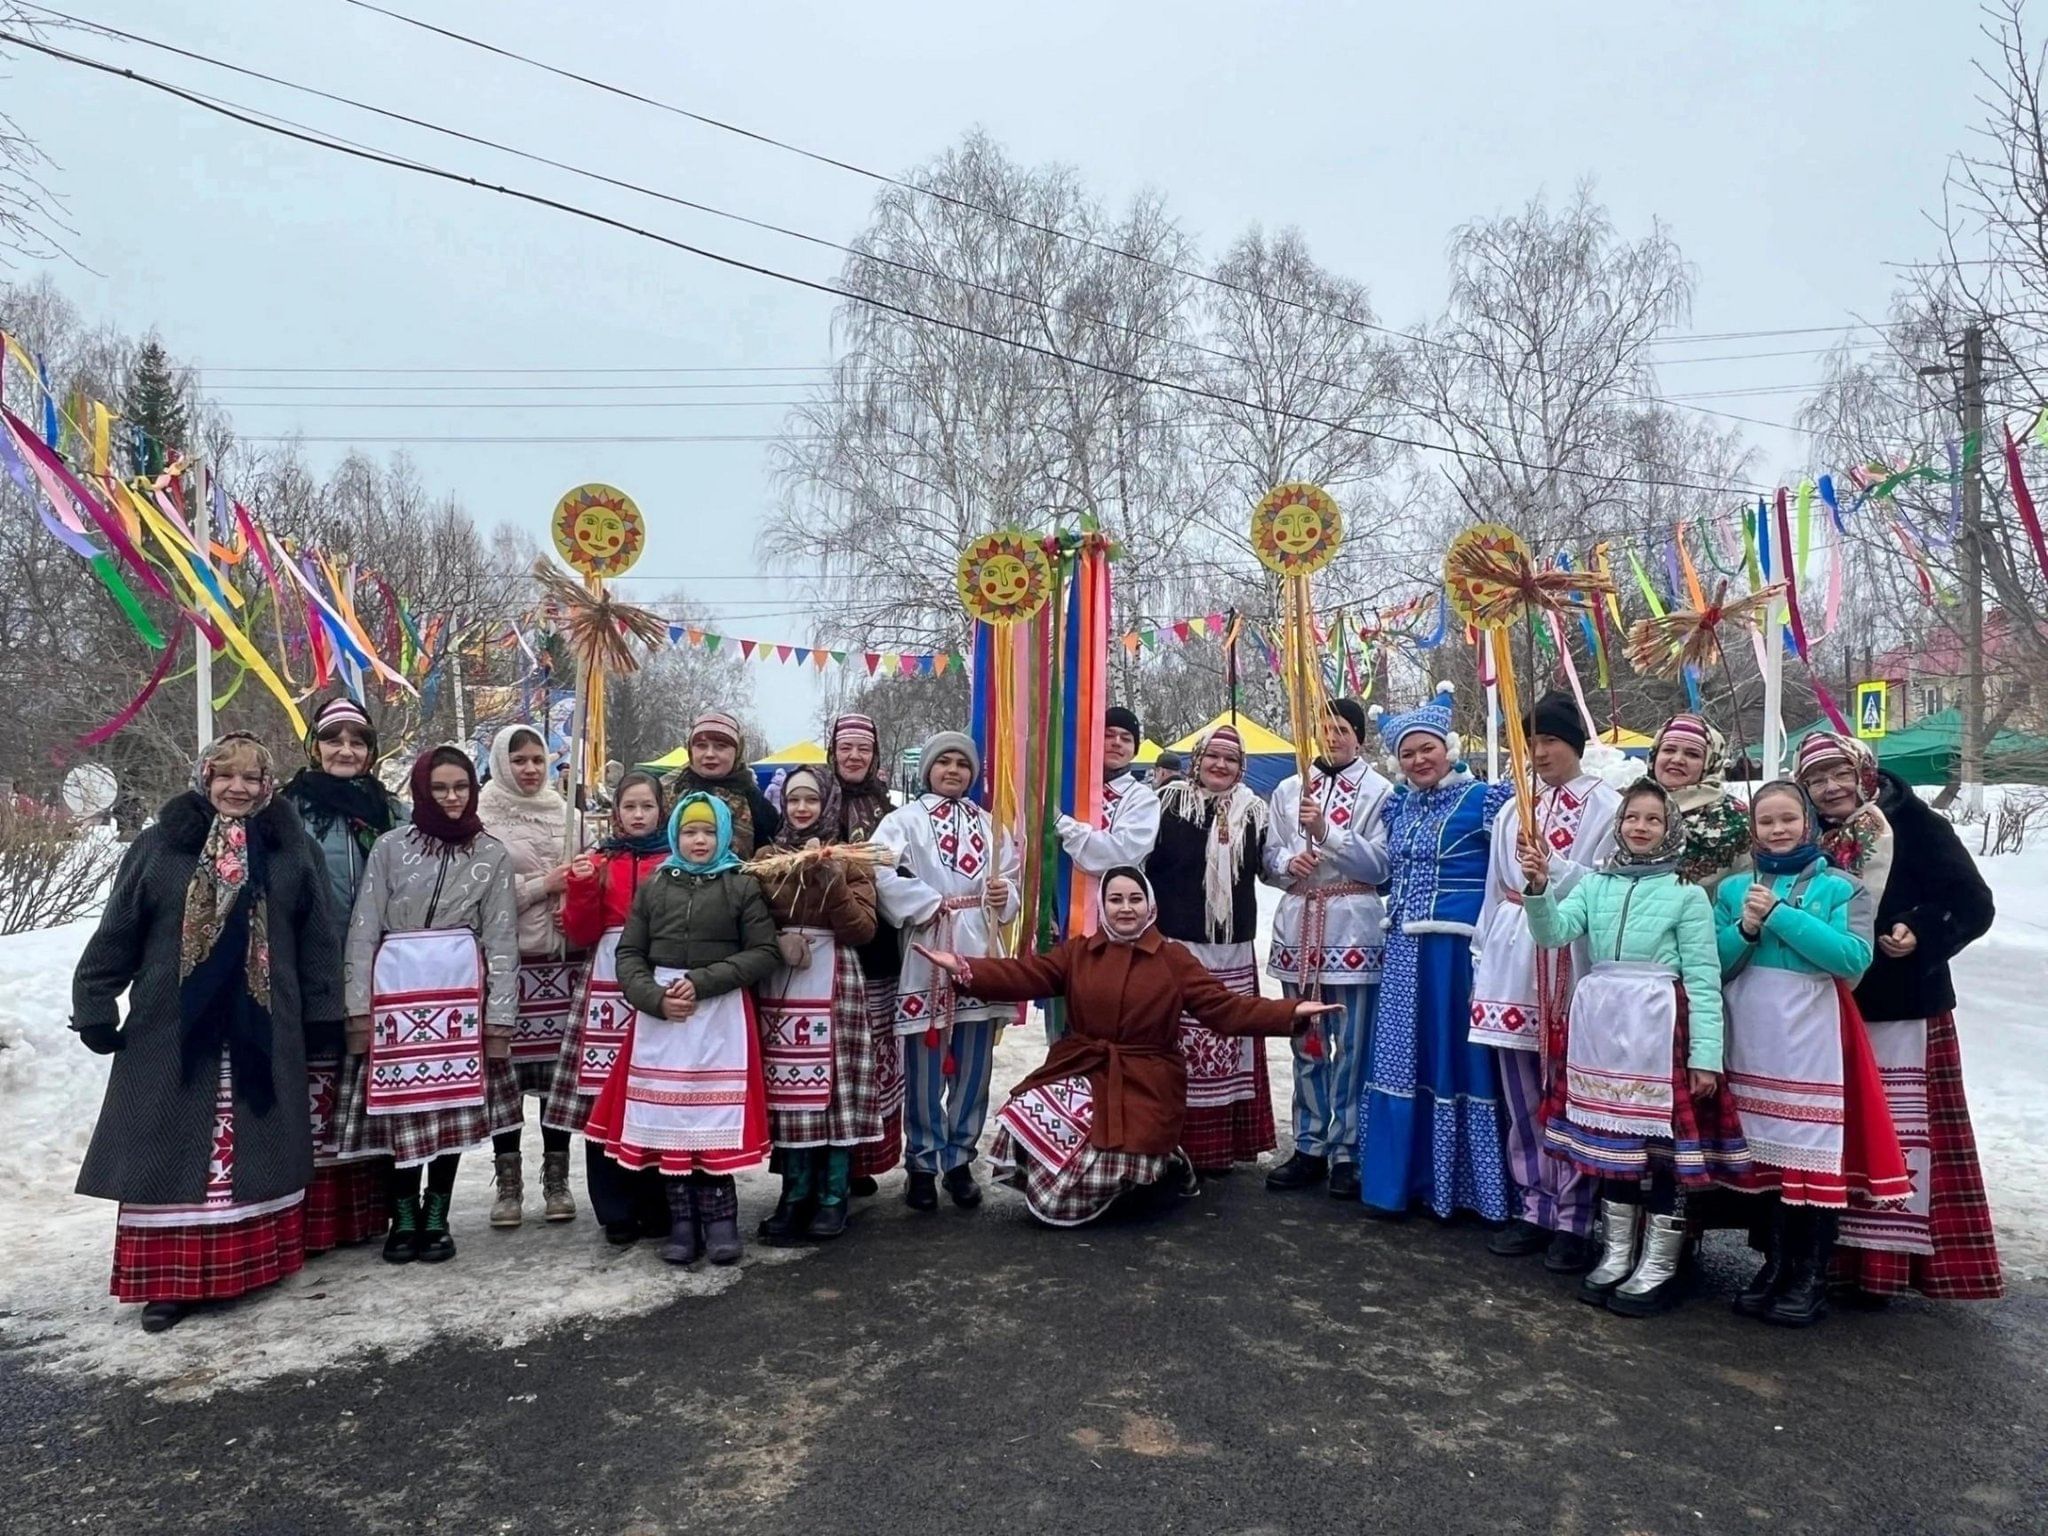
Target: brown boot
x=505 y=1210
x=554 y=1186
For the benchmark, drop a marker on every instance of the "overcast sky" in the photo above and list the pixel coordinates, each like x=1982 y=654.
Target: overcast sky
x=1790 y=148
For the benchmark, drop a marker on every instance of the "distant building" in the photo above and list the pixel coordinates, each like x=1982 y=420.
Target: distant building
x=1926 y=675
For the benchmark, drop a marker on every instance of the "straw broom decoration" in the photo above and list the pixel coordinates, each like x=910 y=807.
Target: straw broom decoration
x=798 y=861
x=1691 y=637
x=605 y=635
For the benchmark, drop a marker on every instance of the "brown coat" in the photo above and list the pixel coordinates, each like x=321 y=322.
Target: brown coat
x=836 y=894
x=1124 y=1005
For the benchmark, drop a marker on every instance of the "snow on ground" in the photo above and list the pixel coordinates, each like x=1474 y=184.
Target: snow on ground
x=508 y=1287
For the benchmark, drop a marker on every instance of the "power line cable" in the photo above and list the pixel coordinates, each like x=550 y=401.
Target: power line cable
x=815 y=285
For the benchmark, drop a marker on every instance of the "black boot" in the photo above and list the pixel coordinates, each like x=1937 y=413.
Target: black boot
x=1518 y=1239
x=1756 y=1297
x=401 y=1243
x=861 y=1184
x=1569 y=1254
x=1344 y=1182
x=435 y=1245
x=1301 y=1171
x=159 y=1315
x=1804 y=1300
x=961 y=1186
x=683 y=1245
x=832 y=1195
x=921 y=1191
x=791 y=1218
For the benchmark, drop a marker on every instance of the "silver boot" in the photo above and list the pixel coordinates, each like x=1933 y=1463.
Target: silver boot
x=505 y=1210
x=1654 y=1286
x=1619 y=1226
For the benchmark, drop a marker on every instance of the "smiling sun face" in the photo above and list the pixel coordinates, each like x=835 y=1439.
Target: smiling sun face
x=1298 y=528
x=1004 y=581
x=600 y=531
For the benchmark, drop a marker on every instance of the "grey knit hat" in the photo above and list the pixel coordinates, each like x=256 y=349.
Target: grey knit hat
x=946 y=741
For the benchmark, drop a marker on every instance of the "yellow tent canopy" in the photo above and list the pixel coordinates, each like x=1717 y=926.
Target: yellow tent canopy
x=1621 y=736
x=1148 y=752
x=803 y=752
x=680 y=758
x=1257 y=739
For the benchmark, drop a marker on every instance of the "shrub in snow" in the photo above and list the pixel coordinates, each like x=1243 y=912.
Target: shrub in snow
x=2012 y=818
x=52 y=871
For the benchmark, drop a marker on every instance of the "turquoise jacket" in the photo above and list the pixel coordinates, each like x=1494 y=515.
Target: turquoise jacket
x=1826 y=934
x=1656 y=920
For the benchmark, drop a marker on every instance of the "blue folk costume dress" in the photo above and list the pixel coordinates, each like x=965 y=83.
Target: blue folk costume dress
x=1430 y=1121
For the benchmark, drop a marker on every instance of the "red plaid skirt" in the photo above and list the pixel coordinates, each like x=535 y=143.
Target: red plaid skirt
x=1081 y=1191
x=208 y=1261
x=346 y=1203
x=1216 y=1135
x=1964 y=1265
x=872 y=1159
x=1706 y=1144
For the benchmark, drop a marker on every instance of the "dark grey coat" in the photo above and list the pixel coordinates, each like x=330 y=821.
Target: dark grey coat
x=155 y=1132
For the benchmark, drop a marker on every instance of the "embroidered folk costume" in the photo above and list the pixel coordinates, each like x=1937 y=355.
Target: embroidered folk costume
x=946 y=850
x=687 y=1098
x=529 y=823
x=1328 y=942
x=1644 y=1016
x=1940 y=1242
x=1205 y=863
x=818 y=1052
x=1128 y=825
x=1519 y=993
x=1430 y=1113
x=344 y=814
x=853 y=809
x=433 y=978
x=221 y=930
x=1799 y=1063
x=1103 y=1115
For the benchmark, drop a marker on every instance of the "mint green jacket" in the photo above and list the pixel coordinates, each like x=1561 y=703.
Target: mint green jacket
x=1656 y=919
x=1826 y=934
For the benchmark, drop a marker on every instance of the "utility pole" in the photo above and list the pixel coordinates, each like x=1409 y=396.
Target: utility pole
x=1971 y=769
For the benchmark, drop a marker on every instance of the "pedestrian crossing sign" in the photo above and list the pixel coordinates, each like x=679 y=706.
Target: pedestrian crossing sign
x=1871 y=699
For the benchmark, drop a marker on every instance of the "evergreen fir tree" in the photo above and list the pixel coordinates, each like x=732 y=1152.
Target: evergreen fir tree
x=153 y=405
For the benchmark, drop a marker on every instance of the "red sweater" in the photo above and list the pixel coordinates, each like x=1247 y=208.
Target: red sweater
x=589 y=907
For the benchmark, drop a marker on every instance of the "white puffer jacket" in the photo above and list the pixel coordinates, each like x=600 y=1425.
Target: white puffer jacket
x=530 y=827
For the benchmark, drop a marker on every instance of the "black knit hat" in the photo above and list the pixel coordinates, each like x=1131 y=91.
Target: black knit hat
x=1556 y=715
x=1116 y=717
x=1352 y=713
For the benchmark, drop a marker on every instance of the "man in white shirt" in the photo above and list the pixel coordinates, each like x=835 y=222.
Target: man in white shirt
x=1328 y=852
x=1129 y=823
x=1518 y=989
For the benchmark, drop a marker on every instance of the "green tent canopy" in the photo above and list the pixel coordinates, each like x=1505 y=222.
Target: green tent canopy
x=1925 y=752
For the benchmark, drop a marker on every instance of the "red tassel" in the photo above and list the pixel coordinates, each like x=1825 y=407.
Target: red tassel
x=931 y=1036
x=1312 y=1043
x=951 y=1067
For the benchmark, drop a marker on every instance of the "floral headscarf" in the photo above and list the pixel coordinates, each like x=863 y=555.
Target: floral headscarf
x=1660 y=860
x=224 y=938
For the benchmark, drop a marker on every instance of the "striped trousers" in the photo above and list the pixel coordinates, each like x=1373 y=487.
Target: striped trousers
x=1549 y=1192
x=945 y=1114
x=1327 y=1088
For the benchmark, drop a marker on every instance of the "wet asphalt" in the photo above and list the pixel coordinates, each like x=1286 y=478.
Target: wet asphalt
x=1243 y=1362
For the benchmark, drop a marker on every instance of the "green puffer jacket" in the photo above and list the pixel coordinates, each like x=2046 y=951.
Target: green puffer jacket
x=1654 y=919
x=716 y=927
x=1825 y=931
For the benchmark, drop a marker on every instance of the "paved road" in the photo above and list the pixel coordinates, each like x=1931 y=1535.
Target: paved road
x=1248 y=1363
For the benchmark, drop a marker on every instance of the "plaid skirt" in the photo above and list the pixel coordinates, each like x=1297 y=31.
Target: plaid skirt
x=211 y=1262
x=1081 y=1191
x=564 y=1109
x=346 y=1203
x=409 y=1140
x=854 y=1116
x=1964 y=1264
x=1706 y=1143
x=872 y=1159
x=1216 y=1135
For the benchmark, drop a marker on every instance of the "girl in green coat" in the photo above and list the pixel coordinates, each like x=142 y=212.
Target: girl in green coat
x=1794 y=937
x=1639 y=1095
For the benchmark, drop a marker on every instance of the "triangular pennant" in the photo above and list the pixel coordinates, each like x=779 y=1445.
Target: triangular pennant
x=1215 y=623
x=872 y=660
x=747 y=649
x=1131 y=643
x=782 y=652
x=1149 y=638
x=711 y=641
x=696 y=636
x=1181 y=631
x=675 y=634
x=924 y=664
x=940 y=662
x=838 y=656
x=803 y=655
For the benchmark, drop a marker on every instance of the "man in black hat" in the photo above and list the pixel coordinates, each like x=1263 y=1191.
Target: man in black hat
x=1129 y=824
x=1328 y=851
x=1520 y=992
x=1166 y=767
